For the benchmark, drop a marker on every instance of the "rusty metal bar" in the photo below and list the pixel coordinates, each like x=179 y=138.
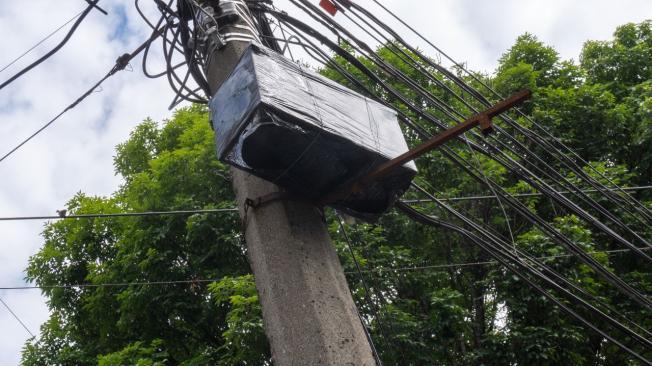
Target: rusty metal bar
x=483 y=119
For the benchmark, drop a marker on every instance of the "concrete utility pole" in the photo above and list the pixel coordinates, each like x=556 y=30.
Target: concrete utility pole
x=308 y=312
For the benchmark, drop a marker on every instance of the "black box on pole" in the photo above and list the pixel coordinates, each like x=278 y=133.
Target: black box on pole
x=306 y=133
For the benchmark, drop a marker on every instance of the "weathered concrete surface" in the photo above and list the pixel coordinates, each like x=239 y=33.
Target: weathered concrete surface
x=308 y=312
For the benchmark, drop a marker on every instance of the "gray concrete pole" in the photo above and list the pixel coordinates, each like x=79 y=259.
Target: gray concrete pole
x=308 y=312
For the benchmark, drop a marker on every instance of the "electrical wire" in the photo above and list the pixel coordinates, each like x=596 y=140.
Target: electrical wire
x=16 y=317
x=325 y=42
x=506 y=160
x=408 y=59
x=504 y=149
x=80 y=18
x=483 y=263
x=367 y=293
x=375 y=269
x=120 y=64
x=109 y=284
x=121 y=214
x=516 y=266
x=519 y=206
x=523 y=195
x=40 y=42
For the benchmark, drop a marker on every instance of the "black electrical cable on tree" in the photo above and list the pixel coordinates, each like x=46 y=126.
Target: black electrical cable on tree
x=644 y=211
x=525 y=260
x=367 y=293
x=91 y=5
x=427 y=220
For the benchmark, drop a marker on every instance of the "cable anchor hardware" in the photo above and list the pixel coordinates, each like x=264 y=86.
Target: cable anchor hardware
x=267 y=198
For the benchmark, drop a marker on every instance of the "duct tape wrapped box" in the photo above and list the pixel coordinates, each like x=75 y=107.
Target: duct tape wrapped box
x=307 y=134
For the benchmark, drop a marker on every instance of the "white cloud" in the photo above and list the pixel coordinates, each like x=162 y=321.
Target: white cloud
x=76 y=152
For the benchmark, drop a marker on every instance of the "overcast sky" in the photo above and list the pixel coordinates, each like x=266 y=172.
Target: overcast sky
x=75 y=154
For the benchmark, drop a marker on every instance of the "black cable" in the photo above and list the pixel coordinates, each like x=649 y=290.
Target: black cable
x=41 y=41
x=146 y=52
x=566 y=281
x=72 y=30
x=474 y=264
x=431 y=221
x=120 y=64
x=408 y=59
x=520 y=208
x=517 y=255
x=367 y=293
x=323 y=41
x=523 y=195
x=312 y=33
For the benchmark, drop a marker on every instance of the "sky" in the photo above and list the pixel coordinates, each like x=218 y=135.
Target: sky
x=75 y=154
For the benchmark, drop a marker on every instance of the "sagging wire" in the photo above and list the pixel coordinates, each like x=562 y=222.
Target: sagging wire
x=179 y=39
x=520 y=208
x=556 y=176
x=91 y=5
x=521 y=255
x=367 y=293
x=545 y=189
x=40 y=42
